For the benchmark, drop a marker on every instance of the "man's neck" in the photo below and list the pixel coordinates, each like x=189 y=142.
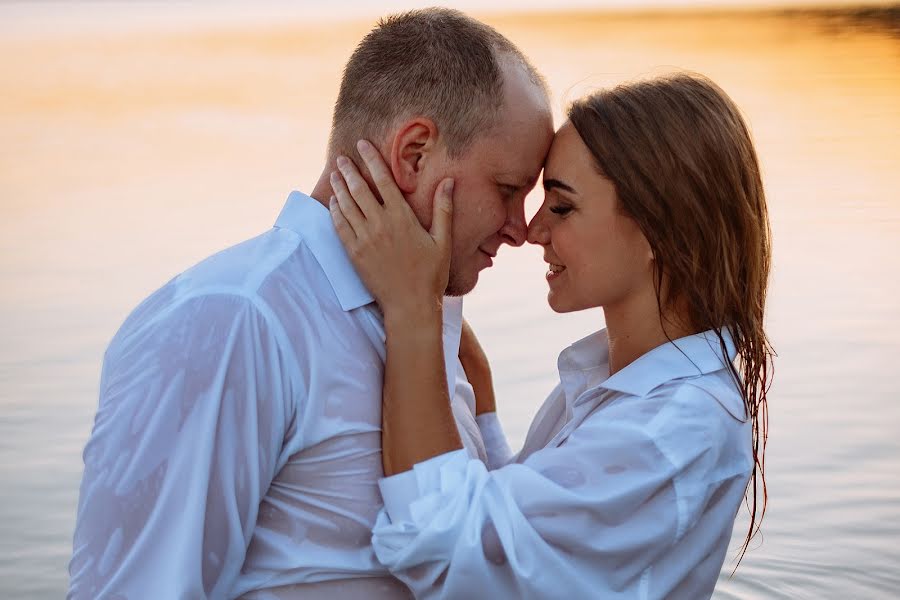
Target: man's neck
x=321 y=192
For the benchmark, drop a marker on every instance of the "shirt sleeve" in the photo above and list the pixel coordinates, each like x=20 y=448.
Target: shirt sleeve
x=192 y=415
x=495 y=444
x=582 y=520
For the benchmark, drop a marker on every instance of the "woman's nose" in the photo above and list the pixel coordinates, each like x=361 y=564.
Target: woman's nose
x=537 y=231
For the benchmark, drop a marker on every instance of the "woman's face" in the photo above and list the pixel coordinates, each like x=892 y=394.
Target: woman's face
x=597 y=255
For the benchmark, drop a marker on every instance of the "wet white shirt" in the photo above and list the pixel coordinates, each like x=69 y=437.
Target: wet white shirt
x=237 y=444
x=626 y=487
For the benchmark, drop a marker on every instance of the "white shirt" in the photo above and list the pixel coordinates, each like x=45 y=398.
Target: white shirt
x=237 y=443
x=627 y=487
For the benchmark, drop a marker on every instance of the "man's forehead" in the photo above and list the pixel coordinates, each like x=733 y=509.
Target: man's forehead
x=517 y=165
x=514 y=152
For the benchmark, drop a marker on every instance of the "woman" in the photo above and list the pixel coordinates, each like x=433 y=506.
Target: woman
x=633 y=470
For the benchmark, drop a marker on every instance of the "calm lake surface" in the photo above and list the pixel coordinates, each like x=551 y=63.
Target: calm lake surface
x=135 y=147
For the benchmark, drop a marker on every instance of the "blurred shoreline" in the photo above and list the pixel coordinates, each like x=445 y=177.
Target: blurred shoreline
x=24 y=20
x=862 y=18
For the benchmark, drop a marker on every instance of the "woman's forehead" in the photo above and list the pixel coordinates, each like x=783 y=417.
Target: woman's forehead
x=565 y=151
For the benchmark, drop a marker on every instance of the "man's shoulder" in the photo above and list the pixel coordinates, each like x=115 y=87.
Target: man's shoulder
x=240 y=269
x=274 y=271
x=259 y=269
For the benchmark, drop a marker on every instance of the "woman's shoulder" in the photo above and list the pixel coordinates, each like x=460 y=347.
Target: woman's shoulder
x=720 y=386
x=702 y=415
x=713 y=395
x=711 y=400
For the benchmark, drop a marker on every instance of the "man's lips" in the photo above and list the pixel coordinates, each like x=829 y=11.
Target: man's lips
x=488 y=257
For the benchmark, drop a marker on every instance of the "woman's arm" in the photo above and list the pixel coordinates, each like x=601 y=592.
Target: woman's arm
x=406 y=268
x=417 y=422
x=478 y=370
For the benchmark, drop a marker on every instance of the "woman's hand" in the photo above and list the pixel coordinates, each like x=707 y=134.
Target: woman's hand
x=404 y=266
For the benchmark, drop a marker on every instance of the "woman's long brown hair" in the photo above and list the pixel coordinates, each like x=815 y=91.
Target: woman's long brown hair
x=684 y=167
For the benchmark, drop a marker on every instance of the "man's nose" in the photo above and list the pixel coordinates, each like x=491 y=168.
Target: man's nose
x=514 y=229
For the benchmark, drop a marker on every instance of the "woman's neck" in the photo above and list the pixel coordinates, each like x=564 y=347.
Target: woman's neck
x=634 y=328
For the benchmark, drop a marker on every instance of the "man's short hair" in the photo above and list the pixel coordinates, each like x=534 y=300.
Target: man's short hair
x=436 y=63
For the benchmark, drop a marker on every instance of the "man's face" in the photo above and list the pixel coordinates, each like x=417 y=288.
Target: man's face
x=492 y=179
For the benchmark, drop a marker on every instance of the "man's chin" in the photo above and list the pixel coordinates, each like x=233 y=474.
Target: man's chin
x=461 y=284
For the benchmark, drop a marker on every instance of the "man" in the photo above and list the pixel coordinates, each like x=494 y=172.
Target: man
x=236 y=448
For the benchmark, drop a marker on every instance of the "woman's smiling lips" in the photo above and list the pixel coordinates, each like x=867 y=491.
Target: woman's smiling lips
x=554 y=271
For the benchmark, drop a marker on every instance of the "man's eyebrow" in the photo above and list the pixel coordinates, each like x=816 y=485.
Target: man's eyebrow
x=516 y=181
x=552 y=184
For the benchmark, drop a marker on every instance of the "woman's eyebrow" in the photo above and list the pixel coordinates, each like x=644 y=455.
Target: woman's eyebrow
x=552 y=184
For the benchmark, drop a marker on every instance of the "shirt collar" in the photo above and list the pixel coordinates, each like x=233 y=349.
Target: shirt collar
x=312 y=221
x=453 y=316
x=693 y=355
x=688 y=356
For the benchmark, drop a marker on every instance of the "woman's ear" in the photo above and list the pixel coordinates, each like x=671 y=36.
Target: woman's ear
x=411 y=149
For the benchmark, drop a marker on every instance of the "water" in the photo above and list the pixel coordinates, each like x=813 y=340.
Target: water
x=132 y=149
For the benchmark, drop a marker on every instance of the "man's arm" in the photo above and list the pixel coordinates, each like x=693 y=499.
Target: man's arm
x=185 y=444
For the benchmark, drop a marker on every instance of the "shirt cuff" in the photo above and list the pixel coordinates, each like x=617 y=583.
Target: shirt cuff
x=495 y=444
x=401 y=490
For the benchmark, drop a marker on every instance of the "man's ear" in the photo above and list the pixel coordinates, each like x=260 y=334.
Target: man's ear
x=412 y=148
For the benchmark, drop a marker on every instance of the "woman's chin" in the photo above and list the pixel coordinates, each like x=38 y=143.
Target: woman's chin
x=557 y=303
x=561 y=303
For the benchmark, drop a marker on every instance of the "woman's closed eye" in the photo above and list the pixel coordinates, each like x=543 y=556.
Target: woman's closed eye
x=561 y=209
